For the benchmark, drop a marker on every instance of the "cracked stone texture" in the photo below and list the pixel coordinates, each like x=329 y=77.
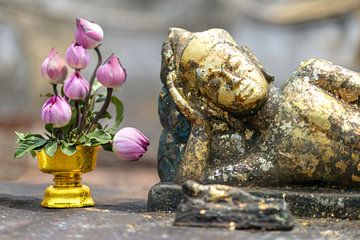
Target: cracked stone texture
x=221 y=206
x=118 y=216
x=303 y=202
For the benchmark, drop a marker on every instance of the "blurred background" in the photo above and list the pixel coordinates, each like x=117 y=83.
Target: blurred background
x=282 y=33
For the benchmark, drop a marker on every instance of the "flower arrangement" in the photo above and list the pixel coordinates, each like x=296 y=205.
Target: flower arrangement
x=70 y=114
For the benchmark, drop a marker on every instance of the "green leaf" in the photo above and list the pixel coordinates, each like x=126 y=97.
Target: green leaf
x=100 y=98
x=48 y=95
x=119 y=110
x=96 y=86
x=49 y=127
x=33 y=153
x=98 y=126
x=107 y=147
x=68 y=149
x=28 y=143
x=50 y=148
x=46 y=134
x=20 y=136
x=62 y=91
x=73 y=135
x=106 y=115
x=97 y=137
x=82 y=139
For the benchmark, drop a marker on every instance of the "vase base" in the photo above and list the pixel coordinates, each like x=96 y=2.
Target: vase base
x=67 y=197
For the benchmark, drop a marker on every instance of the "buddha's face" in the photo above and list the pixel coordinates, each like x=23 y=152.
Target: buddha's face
x=229 y=79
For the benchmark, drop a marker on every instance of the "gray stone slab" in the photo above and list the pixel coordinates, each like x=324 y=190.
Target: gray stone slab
x=303 y=202
x=115 y=217
x=221 y=206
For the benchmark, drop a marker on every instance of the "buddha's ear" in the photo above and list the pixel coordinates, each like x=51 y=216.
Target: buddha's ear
x=179 y=39
x=172 y=49
x=246 y=51
x=176 y=32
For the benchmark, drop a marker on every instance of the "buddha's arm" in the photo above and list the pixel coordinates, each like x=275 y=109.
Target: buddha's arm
x=198 y=145
x=343 y=83
x=327 y=96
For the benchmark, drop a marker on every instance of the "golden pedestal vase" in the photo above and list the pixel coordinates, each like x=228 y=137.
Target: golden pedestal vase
x=67 y=192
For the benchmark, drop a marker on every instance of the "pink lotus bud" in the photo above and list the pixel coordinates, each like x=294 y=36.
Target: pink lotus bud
x=111 y=74
x=76 y=87
x=76 y=56
x=88 y=34
x=53 y=68
x=130 y=144
x=57 y=111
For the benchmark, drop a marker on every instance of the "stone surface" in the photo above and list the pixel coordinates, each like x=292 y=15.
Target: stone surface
x=303 y=202
x=117 y=217
x=221 y=206
x=164 y=197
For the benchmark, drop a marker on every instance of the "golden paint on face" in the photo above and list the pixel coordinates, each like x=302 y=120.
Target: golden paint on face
x=225 y=75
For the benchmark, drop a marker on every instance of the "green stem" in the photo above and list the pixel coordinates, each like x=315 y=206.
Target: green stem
x=103 y=108
x=57 y=133
x=86 y=101
x=61 y=134
x=54 y=86
x=78 y=113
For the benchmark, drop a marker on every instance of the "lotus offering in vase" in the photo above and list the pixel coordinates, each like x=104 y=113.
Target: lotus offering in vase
x=67 y=190
x=74 y=129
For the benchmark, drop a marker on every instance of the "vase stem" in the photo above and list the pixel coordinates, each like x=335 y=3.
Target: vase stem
x=67 y=180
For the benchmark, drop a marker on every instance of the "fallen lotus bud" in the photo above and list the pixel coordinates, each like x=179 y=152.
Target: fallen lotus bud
x=53 y=68
x=111 y=74
x=57 y=111
x=77 y=56
x=76 y=87
x=130 y=144
x=88 y=34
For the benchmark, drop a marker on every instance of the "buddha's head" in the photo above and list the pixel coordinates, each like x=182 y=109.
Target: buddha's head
x=211 y=63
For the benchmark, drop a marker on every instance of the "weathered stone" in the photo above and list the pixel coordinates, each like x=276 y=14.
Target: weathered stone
x=306 y=132
x=229 y=207
x=303 y=202
x=164 y=197
x=117 y=217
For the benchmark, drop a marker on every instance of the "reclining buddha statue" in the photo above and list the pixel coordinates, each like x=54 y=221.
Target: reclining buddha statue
x=224 y=122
